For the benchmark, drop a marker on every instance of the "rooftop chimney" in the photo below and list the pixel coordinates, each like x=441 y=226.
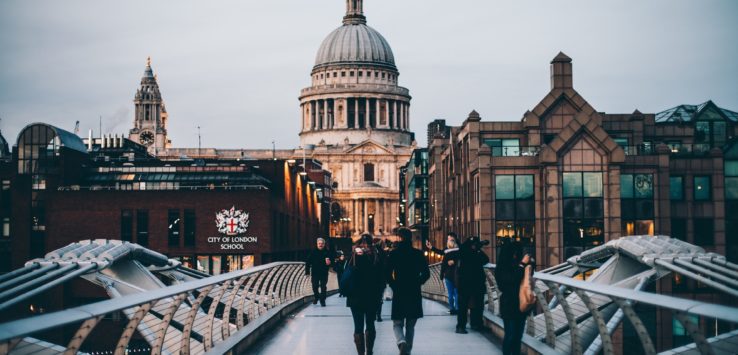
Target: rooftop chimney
x=561 y=77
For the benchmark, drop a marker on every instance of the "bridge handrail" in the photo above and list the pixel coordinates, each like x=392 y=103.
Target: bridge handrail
x=623 y=298
x=277 y=282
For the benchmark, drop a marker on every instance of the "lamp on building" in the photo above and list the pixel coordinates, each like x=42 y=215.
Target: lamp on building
x=291 y=161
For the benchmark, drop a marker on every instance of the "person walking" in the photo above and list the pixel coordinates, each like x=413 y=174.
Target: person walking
x=319 y=261
x=471 y=283
x=509 y=274
x=339 y=265
x=448 y=270
x=407 y=270
x=366 y=286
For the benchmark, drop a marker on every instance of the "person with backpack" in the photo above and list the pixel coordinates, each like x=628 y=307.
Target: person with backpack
x=407 y=270
x=363 y=282
x=509 y=274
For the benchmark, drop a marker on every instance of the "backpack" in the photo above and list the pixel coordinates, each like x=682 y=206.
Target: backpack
x=347 y=284
x=526 y=295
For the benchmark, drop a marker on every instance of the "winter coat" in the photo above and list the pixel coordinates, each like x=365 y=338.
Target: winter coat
x=471 y=276
x=508 y=280
x=339 y=266
x=367 y=270
x=407 y=270
x=450 y=271
x=316 y=262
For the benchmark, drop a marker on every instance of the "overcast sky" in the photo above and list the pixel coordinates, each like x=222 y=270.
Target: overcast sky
x=236 y=68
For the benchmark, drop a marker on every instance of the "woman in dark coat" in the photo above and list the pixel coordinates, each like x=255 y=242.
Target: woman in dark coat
x=509 y=274
x=472 y=284
x=407 y=271
x=364 y=298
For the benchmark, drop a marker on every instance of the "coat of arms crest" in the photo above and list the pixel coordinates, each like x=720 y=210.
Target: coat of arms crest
x=232 y=221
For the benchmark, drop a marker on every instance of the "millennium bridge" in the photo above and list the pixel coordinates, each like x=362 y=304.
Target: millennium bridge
x=158 y=306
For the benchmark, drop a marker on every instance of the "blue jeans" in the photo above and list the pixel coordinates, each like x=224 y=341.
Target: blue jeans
x=453 y=294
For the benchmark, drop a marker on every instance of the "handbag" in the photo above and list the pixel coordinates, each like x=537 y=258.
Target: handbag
x=526 y=295
x=348 y=283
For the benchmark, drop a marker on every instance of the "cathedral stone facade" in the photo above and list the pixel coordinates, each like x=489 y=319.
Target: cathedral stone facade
x=354 y=121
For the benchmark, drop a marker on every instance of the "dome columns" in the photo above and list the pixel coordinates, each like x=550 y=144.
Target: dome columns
x=356 y=112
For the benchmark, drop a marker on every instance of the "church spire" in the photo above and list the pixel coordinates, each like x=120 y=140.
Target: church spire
x=354 y=12
x=148 y=73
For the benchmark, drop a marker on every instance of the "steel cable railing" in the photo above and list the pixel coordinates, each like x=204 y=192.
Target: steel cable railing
x=188 y=318
x=566 y=306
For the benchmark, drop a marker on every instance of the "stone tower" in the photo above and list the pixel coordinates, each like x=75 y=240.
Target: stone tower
x=150 y=121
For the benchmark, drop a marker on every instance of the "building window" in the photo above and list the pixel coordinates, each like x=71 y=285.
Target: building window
x=142 y=227
x=676 y=188
x=343 y=74
x=5 y=195
x=708 y=134
x=173 y=228
x=361 y=73
x=189 y=228
x=126 y=225
x=504 y=147
x=6 y=227
x=368 y=172
x=679 y=228
x=702 y=188
x=674 y=146
x=335 y=74
x=731 y=179
x=515 y=209
x=704 y=232
x=623 y=143
x=583 y=212
x=680 y=336
x=636 y=204
x=351 y=74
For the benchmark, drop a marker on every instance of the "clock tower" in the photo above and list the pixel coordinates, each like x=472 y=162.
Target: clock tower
x=150 y=121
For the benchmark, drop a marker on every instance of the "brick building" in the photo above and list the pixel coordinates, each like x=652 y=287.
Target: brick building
x=215 y=215
x=566 y=177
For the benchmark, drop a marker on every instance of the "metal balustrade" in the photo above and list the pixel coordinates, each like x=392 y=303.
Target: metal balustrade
x=570 y=310
x=188 y=318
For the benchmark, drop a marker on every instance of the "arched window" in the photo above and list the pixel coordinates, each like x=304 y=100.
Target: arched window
x=368 y=172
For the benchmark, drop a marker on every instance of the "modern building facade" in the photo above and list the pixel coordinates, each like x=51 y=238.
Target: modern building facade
x=414 y=194
x=566 y=177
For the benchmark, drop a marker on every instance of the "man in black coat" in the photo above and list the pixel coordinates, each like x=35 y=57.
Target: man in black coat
x=407 y=270
x=472 y=284
x=319 y=260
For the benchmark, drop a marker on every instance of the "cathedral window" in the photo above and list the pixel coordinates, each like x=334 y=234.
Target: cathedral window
x=368 y=172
